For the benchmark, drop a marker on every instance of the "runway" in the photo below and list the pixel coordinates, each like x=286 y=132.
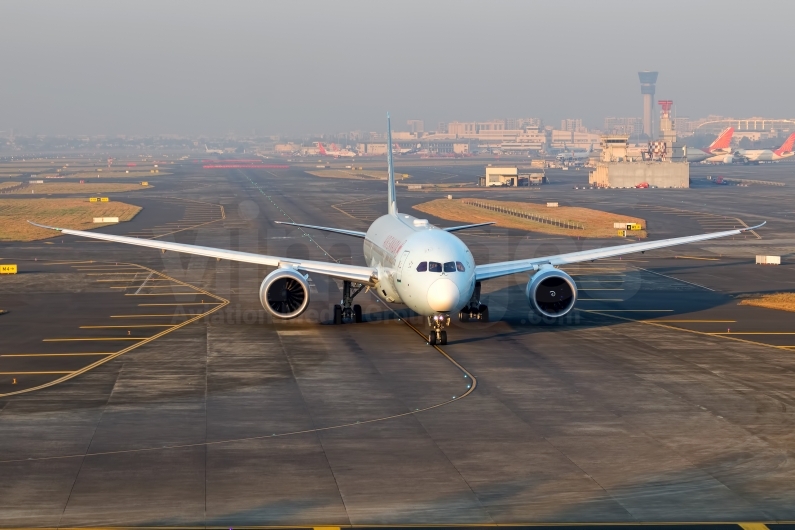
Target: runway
x=659 y=400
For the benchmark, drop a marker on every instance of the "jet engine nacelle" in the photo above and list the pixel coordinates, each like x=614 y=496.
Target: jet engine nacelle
x=551 y=292
x=728 y=159
x=284 y=293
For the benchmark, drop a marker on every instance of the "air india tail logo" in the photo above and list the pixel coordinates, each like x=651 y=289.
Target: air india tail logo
x=724 y=140
x=786 y=147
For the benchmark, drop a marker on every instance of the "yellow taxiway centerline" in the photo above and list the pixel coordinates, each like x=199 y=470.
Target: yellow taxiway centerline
x=753 y=333
x=53 y=354
x=186 y=303
x=129 y=326
x=144 y=316
x=194 y=293
x=94 y=338
x=694 y=321
x=36 y=373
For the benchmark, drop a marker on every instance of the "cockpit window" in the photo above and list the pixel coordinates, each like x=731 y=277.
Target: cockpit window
x=434 y=266
x=459 y=266
x=449 y=266
x=422 y=267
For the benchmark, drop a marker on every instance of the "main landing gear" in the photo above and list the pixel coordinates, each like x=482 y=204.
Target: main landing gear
x=438 y=335
x=474 y=310
x=345 y=310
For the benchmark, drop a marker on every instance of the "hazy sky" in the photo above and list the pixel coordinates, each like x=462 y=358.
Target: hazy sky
x=192 y=67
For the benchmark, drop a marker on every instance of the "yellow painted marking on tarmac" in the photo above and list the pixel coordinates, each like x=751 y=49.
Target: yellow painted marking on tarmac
x=36 y=373
x=138 y=280
x=600 y=299
x=105 y=269
x=686 y=321
x=159 y=294
x=186 y=303
x=94 y=338
x=146 y=287
x=753 y=333
x=686 y=330
x=111 y=273
x=128 y=326
x=753 y=526
x=144 y=316
x=106 y=358
x=53 y=354
x=696 y=257
x=627 y=311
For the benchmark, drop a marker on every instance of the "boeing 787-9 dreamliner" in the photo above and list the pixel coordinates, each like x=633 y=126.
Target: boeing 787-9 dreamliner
x=409 y=261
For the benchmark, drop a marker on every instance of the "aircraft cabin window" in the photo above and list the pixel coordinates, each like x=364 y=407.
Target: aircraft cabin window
x=460 y=266
x=434 y=266
x=449 y=266
x=422 y=267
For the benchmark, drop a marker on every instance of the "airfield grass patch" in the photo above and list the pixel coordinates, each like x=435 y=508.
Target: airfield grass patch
x=87 y=189
x=4 y=185
x=780 y=301
x=77 y=214
x=597 y=223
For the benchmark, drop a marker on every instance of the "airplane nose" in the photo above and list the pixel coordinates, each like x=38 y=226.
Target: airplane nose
x=443 y=295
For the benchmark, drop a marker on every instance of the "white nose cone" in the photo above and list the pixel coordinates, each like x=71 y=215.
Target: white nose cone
x=443 y=295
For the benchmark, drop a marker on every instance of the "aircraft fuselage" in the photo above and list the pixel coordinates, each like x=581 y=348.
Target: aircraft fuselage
x=426 y=268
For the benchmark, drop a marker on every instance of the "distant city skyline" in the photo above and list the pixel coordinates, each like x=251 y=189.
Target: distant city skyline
x=82 y=67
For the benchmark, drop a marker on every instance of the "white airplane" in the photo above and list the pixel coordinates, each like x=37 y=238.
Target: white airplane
x=336 y=153
x=718 y=151
x=411 y=262
x=754 y=156
x=405 y=151
x=211 y=151
x=575 y=156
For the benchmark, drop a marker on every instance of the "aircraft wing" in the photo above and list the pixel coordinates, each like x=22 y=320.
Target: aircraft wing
x=353 y=233
x=353 y=273
x=464 y=227
x=495 y=270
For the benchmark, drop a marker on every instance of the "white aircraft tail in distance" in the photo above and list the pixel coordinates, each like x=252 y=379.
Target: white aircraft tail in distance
x=409 y=261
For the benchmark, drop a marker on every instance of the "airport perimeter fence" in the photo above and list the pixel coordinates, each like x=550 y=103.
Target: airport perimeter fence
x=526 y=215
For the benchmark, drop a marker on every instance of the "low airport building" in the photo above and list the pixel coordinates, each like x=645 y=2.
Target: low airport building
x=512 y=176
x=654 y=168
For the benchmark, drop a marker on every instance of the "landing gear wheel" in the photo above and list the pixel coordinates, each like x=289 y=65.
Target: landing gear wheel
x=463 y=316
x=483 y=311
x=443 y=337
x=337 y=314
x=432 y=338
x=357 y=314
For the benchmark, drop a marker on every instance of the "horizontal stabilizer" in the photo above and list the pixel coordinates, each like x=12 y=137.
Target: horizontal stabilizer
x=353 y=233
x=464 y=227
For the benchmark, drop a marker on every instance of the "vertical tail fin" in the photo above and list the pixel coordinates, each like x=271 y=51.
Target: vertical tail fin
x=723 y=141
x=322 y=149
x=390 y=197
x=786 y=147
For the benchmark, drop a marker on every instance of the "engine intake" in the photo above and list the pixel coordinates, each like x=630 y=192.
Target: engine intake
x=284 y=293
x=551 y=292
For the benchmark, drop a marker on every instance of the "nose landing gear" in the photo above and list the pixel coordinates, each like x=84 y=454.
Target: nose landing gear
x=345 y=310
x=474 y=310
x=438 y=335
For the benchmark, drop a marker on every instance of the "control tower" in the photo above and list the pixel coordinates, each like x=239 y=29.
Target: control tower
x=647 y=82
